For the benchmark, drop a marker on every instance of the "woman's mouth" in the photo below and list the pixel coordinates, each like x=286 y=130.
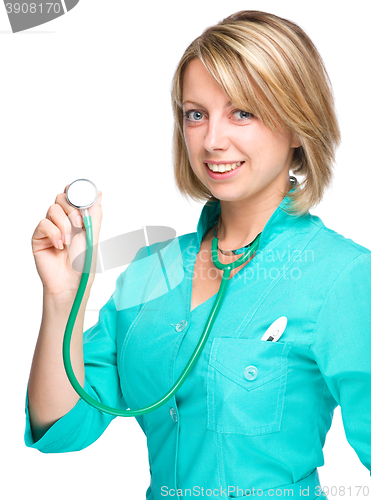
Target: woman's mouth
x=223 y=171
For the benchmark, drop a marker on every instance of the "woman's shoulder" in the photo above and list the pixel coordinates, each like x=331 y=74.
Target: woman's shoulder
x=334 y=252
x=334 y=241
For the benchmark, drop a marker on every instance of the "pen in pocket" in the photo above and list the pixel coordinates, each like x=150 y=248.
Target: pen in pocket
x=276 y=329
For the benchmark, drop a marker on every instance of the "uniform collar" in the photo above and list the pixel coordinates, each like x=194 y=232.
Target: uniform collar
x=278 y=222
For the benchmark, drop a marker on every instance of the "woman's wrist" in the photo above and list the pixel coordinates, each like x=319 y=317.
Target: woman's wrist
x=65 y=298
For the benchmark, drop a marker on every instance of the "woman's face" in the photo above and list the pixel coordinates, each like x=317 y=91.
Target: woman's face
x=217 y=131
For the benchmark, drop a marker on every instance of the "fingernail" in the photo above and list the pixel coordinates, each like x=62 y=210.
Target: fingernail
x=79 y=221
x=60 y=244
x=68 y=239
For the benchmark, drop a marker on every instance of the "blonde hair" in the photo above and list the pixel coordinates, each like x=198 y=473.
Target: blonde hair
x=268 y=66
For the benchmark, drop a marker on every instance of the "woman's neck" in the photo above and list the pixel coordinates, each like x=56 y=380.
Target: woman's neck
x=243 y=220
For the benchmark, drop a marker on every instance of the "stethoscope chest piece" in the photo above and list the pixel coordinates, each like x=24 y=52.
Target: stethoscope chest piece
x=82 y=194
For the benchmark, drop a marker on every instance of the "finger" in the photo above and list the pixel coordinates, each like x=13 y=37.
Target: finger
x=96 y=209
x=46 y=229
x=73 y=214
x=58 y=217
x=95 y=213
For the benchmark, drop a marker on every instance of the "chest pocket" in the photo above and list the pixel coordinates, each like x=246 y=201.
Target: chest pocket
x=246 y=384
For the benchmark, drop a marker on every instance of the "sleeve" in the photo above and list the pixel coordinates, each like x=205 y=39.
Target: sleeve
x=342 y=349
x=83 y=424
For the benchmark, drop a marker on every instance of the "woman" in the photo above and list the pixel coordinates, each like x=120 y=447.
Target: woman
x=250 y=94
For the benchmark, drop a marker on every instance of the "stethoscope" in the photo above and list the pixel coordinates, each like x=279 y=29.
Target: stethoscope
x=82 y=194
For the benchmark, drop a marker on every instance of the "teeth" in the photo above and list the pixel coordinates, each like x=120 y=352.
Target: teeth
x=223 y=167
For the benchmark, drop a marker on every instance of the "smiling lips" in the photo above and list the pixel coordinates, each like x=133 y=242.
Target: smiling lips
x=223 y=167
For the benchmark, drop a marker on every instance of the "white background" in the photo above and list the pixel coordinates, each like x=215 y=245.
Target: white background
x=88 y=95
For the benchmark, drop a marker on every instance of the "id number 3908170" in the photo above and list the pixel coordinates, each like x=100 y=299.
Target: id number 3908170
x=343 y=491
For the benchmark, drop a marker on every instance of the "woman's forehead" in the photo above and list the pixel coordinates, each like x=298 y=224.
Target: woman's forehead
x=199 y=84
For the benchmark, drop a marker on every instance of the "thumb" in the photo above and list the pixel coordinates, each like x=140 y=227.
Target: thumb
x=96 y=215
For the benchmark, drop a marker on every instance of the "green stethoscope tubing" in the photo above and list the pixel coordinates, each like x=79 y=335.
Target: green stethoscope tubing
x=226 y=268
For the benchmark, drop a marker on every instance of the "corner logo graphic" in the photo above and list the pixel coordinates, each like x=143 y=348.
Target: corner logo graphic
x=26 y=14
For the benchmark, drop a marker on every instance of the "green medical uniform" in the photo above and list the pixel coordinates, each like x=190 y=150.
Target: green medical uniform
x=231 y=432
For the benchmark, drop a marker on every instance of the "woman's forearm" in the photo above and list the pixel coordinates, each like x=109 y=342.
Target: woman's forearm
x=50 y=394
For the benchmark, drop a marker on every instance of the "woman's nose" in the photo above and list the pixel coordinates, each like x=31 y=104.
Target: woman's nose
x=216 y=136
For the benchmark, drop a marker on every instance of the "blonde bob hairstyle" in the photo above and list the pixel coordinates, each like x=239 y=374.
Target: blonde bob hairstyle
x=269 y=67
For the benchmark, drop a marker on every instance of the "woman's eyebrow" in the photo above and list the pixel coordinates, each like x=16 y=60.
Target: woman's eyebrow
x=201 y=105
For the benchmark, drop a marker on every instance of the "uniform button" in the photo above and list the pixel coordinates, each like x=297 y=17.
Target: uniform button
x=173 y=414
x=180 y=326
x=250 y=373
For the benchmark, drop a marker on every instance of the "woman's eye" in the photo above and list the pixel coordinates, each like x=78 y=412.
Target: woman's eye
x=196 y=113
x=250 y=115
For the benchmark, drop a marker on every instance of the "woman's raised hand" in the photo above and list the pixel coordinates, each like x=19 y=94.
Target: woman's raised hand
x=58 y=240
